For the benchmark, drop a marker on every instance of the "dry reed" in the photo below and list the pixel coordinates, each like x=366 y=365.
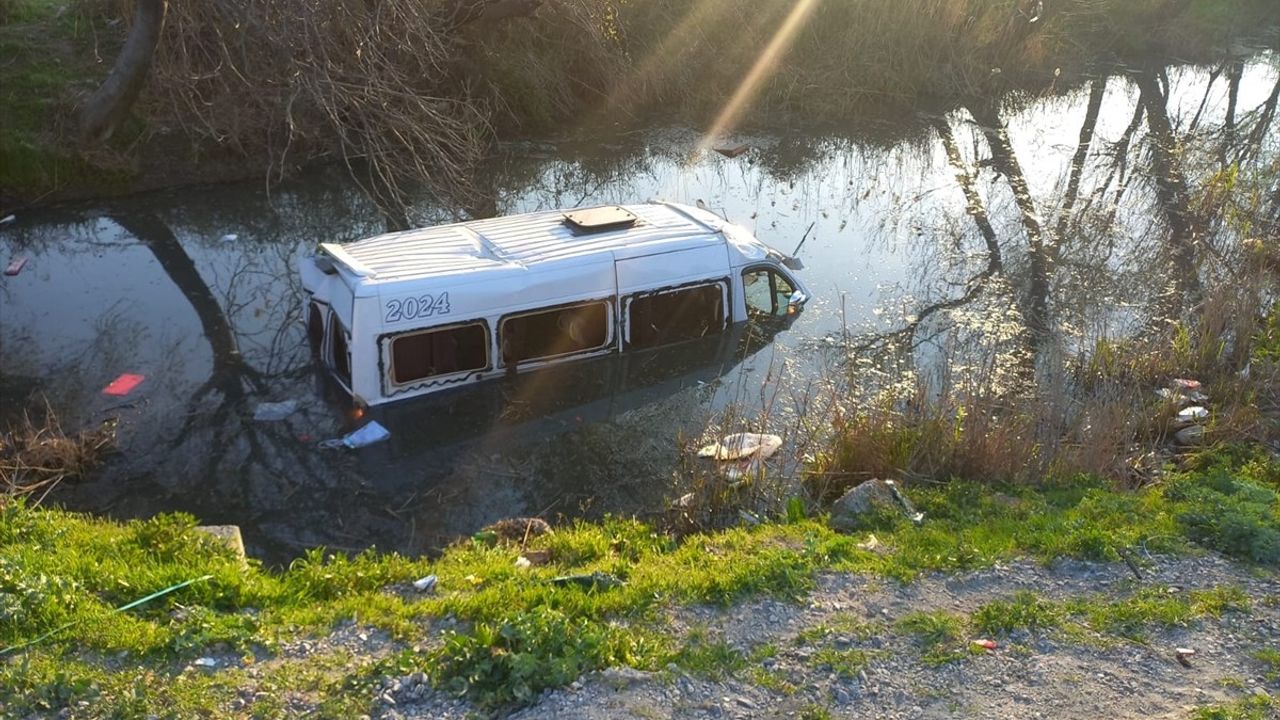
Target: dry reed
x=36 y=455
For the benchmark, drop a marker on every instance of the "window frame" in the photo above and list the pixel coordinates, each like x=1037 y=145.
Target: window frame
x=610 y=331
x=725 y=285
x=386 y=358
x=774 y=271
x=318 y=349
x=333 y=328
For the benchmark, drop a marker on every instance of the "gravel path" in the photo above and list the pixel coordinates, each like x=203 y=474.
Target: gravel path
x=1046 y=674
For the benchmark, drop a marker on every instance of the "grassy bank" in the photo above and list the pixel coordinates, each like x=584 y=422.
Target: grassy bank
x=500 y=634
x=233 y=93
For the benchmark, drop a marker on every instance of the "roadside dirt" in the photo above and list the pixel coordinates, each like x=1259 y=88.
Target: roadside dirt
x=1046 y=674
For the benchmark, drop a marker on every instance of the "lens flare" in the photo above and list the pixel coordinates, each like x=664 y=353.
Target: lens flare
x=761 y=70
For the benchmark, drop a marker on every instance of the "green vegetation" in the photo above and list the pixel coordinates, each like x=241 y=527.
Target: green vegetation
x=49 y=50
x=709 y=657
x=839 y=624
x=513 y=633
x=845 y=663
x=1270 y=657
x=814 y=712
x=940 y=635
x=1025 y=611
x=1253 y=707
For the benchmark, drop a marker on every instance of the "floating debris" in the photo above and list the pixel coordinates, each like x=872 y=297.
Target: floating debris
x=123 y=385
x=16 y=265
x=365 y=436
x=742 y=445
x=732 y=150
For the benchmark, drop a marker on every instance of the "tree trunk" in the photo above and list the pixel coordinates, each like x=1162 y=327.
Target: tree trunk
x=103 y=112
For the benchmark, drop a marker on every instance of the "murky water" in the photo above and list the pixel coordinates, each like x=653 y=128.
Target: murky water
x=1072 y=225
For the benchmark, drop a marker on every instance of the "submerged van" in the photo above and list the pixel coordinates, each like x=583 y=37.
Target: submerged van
x=416 y=312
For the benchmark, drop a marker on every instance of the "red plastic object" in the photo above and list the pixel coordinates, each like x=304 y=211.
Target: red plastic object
x=986 y=644
x=123 y=385
x=16 y=265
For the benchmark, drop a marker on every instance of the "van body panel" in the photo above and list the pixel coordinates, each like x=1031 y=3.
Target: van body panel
x=429 y=286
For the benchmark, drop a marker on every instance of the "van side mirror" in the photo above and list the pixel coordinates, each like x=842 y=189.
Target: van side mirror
x=792 y=263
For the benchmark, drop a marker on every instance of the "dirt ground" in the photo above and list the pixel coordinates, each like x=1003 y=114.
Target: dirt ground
x=1045 y=674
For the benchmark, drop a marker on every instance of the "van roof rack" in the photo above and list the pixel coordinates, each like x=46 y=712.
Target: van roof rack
x=599 y=219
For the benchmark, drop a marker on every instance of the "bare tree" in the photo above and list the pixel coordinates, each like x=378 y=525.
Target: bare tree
x=108 y=106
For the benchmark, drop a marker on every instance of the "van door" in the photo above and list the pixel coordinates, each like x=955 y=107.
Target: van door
x=673 y=297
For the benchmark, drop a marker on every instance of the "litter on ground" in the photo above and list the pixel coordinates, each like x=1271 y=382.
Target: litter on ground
x=742 y=445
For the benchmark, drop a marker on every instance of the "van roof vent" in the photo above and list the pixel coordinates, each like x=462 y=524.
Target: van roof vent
x=600 y=219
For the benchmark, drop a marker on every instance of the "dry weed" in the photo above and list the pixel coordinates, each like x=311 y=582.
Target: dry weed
x=36 y=455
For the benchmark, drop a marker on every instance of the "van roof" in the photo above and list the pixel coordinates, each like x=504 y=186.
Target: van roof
x=517 y=241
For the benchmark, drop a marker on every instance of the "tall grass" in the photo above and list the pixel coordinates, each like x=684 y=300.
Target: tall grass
x=1099 y=411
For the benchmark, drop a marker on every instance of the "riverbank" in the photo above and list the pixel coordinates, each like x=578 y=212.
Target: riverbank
x=787 y=612
x=244 y=103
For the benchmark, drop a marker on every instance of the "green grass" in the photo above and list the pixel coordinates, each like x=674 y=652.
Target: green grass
x=1025 y=611
x=814 y=711
x=1155 y=606
x=845 y=663
x=846 y=624
x=771 y=680
x=514 y=632
x=1270 y=658
x=1253 y=707
x=709 y=657
x=939 y=634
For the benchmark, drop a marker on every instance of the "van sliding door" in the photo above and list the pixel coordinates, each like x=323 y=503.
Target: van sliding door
x=673 y=297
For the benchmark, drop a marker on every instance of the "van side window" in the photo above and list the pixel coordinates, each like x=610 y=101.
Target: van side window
x=419 y=355
x=676 y=315
x=553 y=333
x=338 y=346
x=767 y=292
